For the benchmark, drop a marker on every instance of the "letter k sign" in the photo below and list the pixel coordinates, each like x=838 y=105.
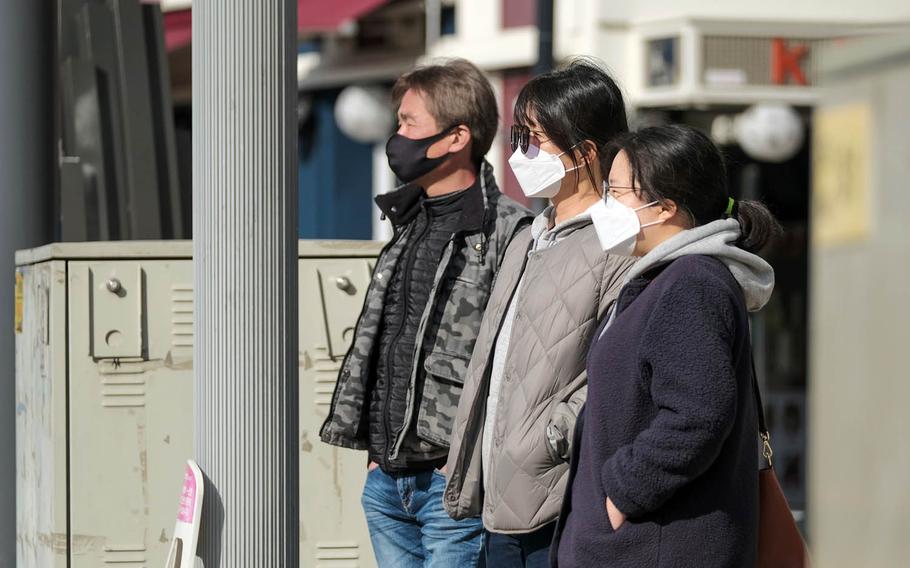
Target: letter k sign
x=785 y=62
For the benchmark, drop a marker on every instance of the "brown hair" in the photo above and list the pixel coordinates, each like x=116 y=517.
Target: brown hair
x=456 y=92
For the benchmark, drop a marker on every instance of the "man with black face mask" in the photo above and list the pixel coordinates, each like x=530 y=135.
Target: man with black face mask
x=399 y=386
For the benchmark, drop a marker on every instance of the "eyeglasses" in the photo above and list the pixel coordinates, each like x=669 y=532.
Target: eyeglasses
x=611 y=189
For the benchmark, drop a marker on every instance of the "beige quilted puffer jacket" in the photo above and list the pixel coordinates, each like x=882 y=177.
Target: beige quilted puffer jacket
x=566 y=290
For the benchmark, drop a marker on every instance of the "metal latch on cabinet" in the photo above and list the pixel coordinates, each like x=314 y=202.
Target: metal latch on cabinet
x=116 y=297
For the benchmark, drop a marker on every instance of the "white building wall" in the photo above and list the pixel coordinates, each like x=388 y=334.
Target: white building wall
x=615 y=32
x=495 y=48
x=844 y=11
x=610 y=30
x=495 y=155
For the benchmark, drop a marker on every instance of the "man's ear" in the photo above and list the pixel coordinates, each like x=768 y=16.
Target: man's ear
x=460 y=139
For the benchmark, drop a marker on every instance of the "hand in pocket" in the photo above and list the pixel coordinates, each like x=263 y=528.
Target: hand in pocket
x=616 y=517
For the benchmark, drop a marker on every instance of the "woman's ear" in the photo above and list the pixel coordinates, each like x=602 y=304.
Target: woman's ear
x=669 y=210
x=461 y=139
x=587 y=152
x=586 y=155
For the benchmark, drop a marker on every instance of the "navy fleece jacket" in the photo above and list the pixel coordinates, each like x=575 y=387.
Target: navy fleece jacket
x=669 y=430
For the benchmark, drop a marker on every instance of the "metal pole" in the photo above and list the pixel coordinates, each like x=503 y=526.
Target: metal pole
x=245 y=270
x=544 y=62
x=545 y=37
x=27 y=166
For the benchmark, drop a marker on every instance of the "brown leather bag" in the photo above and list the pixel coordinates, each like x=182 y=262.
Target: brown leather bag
x=780 y=544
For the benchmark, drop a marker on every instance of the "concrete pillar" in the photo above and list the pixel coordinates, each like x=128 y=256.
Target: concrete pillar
x=245 y=255
x=858 y=388
x=27 y=166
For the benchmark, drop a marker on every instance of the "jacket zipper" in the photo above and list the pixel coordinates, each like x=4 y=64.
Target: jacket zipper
x=386 y=418
x=428 y=311
x=421 y=333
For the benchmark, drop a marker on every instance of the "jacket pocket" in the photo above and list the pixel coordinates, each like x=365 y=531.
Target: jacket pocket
x=445 y=375
x=532 y=449
x=559 y=433
x=461 y=318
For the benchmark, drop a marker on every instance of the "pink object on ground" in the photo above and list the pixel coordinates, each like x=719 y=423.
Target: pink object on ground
x=187 y=497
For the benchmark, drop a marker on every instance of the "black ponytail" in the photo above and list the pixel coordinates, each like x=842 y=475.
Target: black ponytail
x=759 y=227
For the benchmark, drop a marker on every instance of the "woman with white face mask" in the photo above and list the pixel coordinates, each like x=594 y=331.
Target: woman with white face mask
x=665 y=469
x=526 y=379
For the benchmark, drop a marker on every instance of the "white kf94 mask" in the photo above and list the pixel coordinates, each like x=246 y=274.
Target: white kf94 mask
x=539 y=172
x=617 y=225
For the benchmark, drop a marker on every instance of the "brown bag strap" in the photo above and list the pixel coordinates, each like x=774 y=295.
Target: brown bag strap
x=767 y=452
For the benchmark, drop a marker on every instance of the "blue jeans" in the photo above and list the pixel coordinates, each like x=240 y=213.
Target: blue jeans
x=409 y=527
x=531 y=550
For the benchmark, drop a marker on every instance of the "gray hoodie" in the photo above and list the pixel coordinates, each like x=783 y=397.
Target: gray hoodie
x=717 y=239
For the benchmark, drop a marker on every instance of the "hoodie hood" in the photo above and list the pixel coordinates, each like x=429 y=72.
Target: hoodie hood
x=545 y=237
x=717 y=239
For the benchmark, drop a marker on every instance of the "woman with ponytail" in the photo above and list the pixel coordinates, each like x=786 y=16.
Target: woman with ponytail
x=665 y=464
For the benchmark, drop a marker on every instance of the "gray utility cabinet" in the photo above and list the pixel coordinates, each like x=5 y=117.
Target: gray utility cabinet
x=104 y=409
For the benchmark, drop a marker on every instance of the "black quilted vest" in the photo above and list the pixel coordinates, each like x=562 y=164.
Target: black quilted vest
x=435 y=223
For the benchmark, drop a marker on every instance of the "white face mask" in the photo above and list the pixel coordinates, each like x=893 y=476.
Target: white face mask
x=539 y=174
x=617 y=225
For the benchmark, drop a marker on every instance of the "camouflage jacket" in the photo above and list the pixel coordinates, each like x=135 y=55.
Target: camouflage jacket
x=466 y=270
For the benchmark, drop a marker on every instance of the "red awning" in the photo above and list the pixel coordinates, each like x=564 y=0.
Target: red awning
x=327 y=15
x=178 y=29
x=312 y=16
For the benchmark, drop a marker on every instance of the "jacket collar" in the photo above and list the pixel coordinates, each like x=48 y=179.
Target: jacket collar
x=401 y=205
x=544 y=235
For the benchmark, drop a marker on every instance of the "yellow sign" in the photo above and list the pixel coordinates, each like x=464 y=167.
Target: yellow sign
x=841 y=154
x=19 y=300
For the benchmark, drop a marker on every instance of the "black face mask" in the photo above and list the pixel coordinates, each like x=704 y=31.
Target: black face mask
x=408 y=157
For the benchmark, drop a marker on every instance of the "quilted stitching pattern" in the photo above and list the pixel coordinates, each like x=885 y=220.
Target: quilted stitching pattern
x=555 y=318
x=568 y=291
